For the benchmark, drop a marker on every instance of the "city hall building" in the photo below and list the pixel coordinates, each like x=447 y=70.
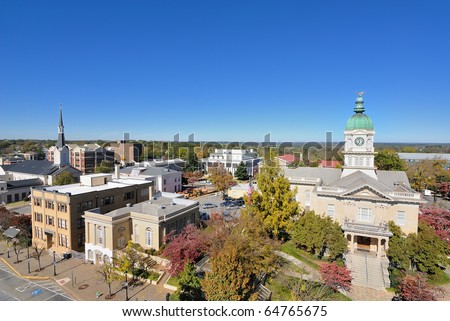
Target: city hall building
x=358 y=196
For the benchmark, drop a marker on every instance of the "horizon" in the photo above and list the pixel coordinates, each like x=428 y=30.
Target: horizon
x=231 y=71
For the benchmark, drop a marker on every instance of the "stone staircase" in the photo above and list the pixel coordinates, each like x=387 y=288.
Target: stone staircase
x=368 y=271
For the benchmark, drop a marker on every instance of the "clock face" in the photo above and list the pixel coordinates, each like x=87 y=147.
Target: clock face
x=359 y=141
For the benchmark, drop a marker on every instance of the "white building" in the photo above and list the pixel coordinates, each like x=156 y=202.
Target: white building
x=412 y=158
x=231 y=158
x=166 y=180
x=145 y=223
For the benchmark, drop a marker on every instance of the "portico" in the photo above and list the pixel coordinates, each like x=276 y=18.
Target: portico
x=367 y=237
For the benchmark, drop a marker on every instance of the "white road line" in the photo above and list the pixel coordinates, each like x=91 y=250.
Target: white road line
x=6 y=277
x=51 y=297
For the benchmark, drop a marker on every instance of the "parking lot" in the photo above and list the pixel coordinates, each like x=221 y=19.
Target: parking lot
x=216 y=200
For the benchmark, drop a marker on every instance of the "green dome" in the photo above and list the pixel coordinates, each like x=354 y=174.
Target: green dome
x=359 y=120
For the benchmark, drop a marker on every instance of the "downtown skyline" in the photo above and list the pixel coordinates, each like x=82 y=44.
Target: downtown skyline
x=225 y=71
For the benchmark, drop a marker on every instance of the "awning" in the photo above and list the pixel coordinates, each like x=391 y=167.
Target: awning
x=11 y=232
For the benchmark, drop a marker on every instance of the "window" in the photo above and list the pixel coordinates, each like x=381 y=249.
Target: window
x=136 y=233
x=49 y=204
x=330 y=210
x=62 y=223
x=80 y=222
x=62 y=240
x=364 y=214
x=49 y=220
x=401 y=218
x=99 y=235
x=84 y=206
x=38 y=233
x=37 y=217
x=128 y=196
x=107 y=200
x=81 y=239
x=148 y=237
x=37 y=202
x=62 y=207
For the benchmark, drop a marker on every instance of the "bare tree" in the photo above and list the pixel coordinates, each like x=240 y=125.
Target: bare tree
x=38 y=251
x=18 y=246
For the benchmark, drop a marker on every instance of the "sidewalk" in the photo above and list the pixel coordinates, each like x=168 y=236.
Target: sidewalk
x=79 y=279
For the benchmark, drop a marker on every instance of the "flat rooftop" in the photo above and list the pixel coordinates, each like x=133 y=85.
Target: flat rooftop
x=78 y=188
x=158 y=206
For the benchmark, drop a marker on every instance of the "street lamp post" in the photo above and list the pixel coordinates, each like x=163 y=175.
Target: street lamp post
x=126 y=287
x=54 y=263
x=28 y=257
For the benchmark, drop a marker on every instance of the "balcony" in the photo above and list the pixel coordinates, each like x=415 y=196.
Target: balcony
x=379 y=229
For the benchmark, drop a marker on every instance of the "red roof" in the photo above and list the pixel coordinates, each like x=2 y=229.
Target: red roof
x=289 y=158
x=332 y=163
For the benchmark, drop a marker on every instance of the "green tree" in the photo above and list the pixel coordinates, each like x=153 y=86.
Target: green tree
x=427 y=174
x=64 y=178
x=105 y=167
x=428 y=252
x=240 y=252
x=316 y=234
x=108 y=275
x=190 y=284
x=388 y=160
x=127 y=259
x=274 y=202
x=409 y=149
x=398 y=253
x=241 y=172
x=221 y=178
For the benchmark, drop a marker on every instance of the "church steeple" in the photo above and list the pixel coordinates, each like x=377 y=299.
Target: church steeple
x=61 y=141
x=61 y=153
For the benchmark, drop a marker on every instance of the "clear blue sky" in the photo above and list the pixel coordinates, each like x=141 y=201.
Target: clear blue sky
x=224 y=70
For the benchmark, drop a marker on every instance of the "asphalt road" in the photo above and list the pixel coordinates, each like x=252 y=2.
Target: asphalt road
x=13 y=288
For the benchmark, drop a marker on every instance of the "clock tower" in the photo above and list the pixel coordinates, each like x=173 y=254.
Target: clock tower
x=359 y=152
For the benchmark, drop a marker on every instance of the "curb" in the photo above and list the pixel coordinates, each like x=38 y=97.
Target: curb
x=29 y=277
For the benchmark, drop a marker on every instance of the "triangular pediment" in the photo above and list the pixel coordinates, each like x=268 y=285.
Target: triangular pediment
x=367 y=191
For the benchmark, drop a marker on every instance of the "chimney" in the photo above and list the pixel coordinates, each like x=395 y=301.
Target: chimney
x=116 y=171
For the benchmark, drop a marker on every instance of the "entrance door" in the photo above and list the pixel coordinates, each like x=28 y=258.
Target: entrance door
x=49 y=240
x=363 y=243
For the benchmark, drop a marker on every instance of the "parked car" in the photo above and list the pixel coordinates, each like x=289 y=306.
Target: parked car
x=226 y=203
x=209 y=205
x=239 y=202
x=204 y=216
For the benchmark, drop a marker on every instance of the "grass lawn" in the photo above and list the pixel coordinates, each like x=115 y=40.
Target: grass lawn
x=17 y=204
x=280 y=292
x=439 y=279
x=173 y=281
x=301 y=255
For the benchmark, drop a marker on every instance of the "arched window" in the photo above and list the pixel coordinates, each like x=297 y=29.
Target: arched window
x=136 y=233
x=100 y=235
x=148 y=237
x=121 y=241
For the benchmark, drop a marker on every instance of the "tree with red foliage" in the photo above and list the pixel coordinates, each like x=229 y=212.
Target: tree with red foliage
x=336 y=276
x=444 y=189
x=5 y=218
x=416 y=288
x=438 y=219
x=183 y=248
